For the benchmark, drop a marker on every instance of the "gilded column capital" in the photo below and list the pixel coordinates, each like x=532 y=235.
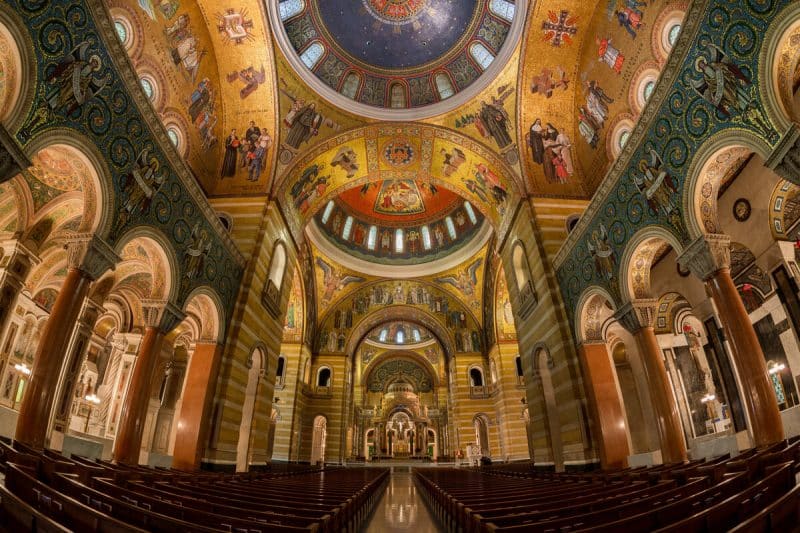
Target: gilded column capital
x=91 y=255
x=707 y=255
x=161 y=314
x=637 y=314
x=12 y=158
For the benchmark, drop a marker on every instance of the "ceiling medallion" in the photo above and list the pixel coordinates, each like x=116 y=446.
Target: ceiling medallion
x=398 y=152
x=395 y=12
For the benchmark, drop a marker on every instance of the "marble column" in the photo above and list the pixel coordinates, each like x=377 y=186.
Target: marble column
x=605 y=404
x=198 y=395
x=709 y=258
x=160 y=318
x=89 y=257
x=637 y=317
x=76 y=354
x=15 y=265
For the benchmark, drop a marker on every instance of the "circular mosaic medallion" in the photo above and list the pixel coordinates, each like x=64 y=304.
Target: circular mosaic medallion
x=398 y=153
x=395 y=11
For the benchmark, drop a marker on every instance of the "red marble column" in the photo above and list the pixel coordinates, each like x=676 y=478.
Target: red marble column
x=708 y=257
x=605 y=404
x=195 y=416
x=637 y=317
x=161 y=318
x=89 y=257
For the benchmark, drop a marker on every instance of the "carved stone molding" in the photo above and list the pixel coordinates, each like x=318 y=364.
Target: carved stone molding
x=15 y=262
x=162 y=315
x=785 y=158
x=707 y=255
x=12 y=159
x=90 y=254
x=637 y=314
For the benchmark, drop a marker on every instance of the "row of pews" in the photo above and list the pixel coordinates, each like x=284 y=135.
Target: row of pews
x=753 y=492
x=46 y=492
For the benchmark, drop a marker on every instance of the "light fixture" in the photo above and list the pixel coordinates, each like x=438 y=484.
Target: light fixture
x=776 y=367
x=92 y=398
x=23 y=368
x=708 y=398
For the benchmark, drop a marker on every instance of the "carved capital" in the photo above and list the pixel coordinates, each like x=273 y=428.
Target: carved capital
x=707 y=255
x=785 y=158
x=637 y=314
x=91 y=255
x=162 y=315
x=12 y=159
x=15 y=262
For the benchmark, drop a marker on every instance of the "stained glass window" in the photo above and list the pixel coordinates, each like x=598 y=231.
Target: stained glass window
x=470 y=212
x=503 y=9
x=443 y=85
x=398 y=240
x=647 y=92
x=348 y=227
x=147 y=87
x=451 y=228
x=327 y=213
x=312 y=54
x=417 y=336
x=400 y=337
x=372 y=238
x=289 y=8
x=350 y=85
x=173 y=135
x=122 y=31
x=673 y=33
x=426 y=237
x=481 y=55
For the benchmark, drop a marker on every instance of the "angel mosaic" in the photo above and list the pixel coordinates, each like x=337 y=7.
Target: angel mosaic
x=630 y=16
x=465 y=280
x=334 y=280
x=452 y=161
x=75 y=80
x=140 y=185
x=656 y=185
x=721 y=82
x=303 y=119
x=195 y=255
x=603 y=254
x=184 y=46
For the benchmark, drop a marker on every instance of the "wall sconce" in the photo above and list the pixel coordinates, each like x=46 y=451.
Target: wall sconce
x=22 y=368
x=776 y=367
x=707 y=398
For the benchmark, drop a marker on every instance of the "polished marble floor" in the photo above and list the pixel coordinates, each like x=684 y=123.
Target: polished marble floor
x=401 y=508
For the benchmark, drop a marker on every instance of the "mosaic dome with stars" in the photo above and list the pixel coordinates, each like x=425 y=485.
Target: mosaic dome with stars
x=397 y=54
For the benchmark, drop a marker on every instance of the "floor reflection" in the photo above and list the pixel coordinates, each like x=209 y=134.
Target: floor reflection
x=401 y=508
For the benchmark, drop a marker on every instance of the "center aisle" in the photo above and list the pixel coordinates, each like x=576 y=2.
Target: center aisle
x=401 y=508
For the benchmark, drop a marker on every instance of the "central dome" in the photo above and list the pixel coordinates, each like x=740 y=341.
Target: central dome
x=398 y=59
x=397 y=35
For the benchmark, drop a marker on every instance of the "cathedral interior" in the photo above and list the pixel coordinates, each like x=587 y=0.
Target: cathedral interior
x=237 y=236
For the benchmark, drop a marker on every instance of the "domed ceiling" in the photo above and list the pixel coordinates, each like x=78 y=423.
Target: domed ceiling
x=396 y=54
x=399 y=222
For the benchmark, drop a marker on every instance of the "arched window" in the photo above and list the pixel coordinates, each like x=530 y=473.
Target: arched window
x=289 y=8
x=277 y=265
x=174 y=136
x=280 y=368
x=399 y=237
x=417 y=336
x=348 y=227
x=147 y=87
x=324 y=377
x=481 y=55
x=521 y=269
x=311 y=55
x=518 y=363
x=475 y=377
x=647 y=90
x=443 y=85
x=673 y=32
x=503 y=9
x=350 y=85
x=400 y=337
x=426 y=237
x=397 y=96
x=384 y=334
x=572 y=221
x=470 y=212
x=124 y=31
x=327 y=213
x=372 y=237
x=451 y=228
x=624 y=135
